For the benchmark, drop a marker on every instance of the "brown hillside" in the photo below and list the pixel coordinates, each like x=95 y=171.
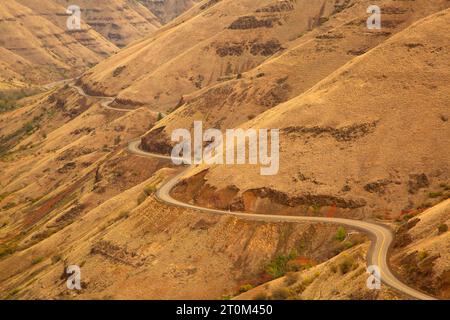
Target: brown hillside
x=168 y=10
x=308 y=59
x=370 y=138
x=186 y=56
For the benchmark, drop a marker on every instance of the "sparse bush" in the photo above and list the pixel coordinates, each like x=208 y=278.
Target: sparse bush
x=434 y=195
x=348 y=244
x=9 y=205
x=117 y=71
x=6 y=250
x=422 y=255
x=149 y=190
x=8 y=100
x=37 y=260
x=291 y=278
x=442 y=228
x=141 y=198
x=341 y=234
x=281 y=294
x=333 y=268
x=346 y=265
x=123 y=215
x=56 y=258
x=245 y=288
x=308 y=281
x=277 y=268
x=260 y=296
x=160 y=116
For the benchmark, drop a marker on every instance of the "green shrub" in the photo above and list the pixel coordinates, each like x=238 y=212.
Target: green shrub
x=341 y=234
x=278 y=267
x=348 y=244
x=245 y=288
x=442 y=228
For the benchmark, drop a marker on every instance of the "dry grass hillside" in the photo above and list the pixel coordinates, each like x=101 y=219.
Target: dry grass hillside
x=364 y=128
x=129 y=250
x=186 y=56
x=167 y=10
x=369 y=139
x=37 y=47
x=421 y=254
x=71 y=194
x=309 y=57
x=120 y=21
x=343 y=277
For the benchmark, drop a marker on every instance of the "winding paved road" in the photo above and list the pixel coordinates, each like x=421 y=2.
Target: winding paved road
x=381 y=236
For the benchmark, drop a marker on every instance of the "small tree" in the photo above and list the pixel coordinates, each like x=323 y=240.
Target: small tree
x=341 y=234
x=160 y=116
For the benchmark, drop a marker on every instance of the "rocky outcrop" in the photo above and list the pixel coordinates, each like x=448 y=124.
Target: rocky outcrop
x=255 y=47
x=279 y=6
x=251 y=22
x=348 y=133
x=196 y=189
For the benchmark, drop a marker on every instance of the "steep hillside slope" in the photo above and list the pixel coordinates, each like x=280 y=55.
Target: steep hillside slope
x=343 y=277
x=71 y=194
x=369 y=139
x=36 y=46
x=422 y=252
x=120 y=21
x=213 y=41
x=35 y=49
x=167 y=10
x=308 y=58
